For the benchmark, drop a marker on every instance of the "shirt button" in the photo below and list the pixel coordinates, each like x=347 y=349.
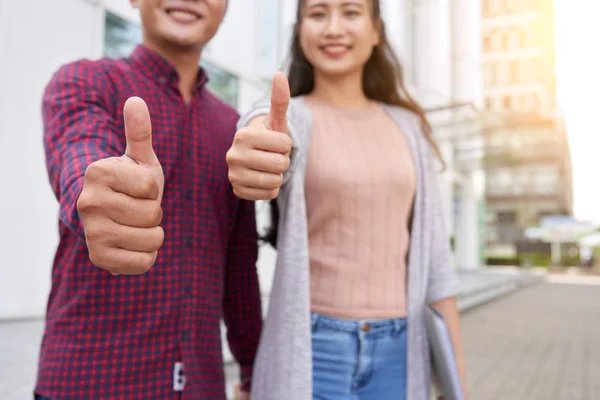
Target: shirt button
x=188 y=242
x=162 y=80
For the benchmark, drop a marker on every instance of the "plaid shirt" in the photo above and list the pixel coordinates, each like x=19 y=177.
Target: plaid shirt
x=119 y=337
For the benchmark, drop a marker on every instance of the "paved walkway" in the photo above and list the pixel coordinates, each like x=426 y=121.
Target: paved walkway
x=539 y=343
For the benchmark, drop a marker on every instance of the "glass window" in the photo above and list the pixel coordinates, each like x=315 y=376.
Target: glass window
x=513 y=39
x=487 y=43
x=268 y=37
x=504 y=72
x=545 y=178
x=515 y=72
x=511 y=5
x=496 y=41
x=121 y=37
x=488 y=104
x=489 y=75
x=221 y=83
x=493 y=6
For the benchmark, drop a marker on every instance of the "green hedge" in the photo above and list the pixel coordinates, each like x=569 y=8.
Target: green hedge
x=531 y=259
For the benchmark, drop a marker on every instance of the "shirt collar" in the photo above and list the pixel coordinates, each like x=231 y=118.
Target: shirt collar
x=159 y=69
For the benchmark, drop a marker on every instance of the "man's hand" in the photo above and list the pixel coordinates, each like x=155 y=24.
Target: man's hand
x=260 y=152
x=240 y=394
x=243 y=396
x=120 y=203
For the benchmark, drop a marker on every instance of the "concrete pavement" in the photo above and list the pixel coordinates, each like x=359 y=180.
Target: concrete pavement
x=542 y=343
x=19 y=341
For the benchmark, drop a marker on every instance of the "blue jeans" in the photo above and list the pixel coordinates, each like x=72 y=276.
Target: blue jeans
x=358 y=360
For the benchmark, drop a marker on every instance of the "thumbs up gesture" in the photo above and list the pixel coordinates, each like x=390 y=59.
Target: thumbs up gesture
x=260 y=151
x=120 y=203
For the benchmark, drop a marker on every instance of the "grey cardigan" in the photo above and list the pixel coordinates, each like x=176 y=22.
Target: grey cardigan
x=283 y=365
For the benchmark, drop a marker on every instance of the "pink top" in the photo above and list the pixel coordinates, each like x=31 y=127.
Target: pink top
x=360 y=186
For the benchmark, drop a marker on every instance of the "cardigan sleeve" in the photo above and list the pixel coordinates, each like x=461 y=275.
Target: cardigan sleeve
x=443 y=277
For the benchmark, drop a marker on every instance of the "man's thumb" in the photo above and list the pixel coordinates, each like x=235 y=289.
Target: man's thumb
x=138 y=132
x=280 y=99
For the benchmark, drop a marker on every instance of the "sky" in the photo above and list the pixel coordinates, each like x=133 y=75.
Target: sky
x=577 y=25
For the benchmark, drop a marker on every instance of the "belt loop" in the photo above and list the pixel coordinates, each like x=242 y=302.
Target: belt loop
x=398 y=323
x=314 y=319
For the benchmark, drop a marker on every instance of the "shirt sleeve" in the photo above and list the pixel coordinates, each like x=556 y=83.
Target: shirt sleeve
x=78 y=130
x=242 y=303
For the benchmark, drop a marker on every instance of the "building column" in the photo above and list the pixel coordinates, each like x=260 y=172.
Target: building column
x=469 y=237
x=467 y=86
x=446 y=183
x=467 y=78
x=431 y=52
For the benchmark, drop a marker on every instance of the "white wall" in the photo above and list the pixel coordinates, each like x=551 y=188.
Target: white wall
x=28 y=238
x=234 y=44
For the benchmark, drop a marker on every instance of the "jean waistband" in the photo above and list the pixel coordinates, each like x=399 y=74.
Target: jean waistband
x=372 y=326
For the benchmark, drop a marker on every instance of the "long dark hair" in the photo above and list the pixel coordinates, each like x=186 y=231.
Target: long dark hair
x=383 y=81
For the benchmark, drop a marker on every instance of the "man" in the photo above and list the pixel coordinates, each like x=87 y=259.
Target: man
x=154 y=246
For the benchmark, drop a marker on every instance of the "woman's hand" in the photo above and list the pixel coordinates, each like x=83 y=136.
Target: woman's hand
x=260 y=152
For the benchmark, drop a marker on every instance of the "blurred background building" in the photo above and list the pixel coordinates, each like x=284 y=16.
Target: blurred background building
x=527 y=162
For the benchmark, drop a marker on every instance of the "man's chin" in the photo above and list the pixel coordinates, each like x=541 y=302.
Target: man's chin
x=183 y=42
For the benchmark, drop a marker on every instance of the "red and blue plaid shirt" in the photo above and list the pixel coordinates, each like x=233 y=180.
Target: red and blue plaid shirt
x=119 y=337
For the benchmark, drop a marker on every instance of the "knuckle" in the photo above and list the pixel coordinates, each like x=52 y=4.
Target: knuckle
x=85 y=201
x=278 y=181
x=281 y=163
x=241 y=136
x=240 y=193
x=287 y=142
x=93 y=235
x=230 y=156
x=159 y=237
x=94 y=171
x=148 y=184
x=156 y=213
x=244 y=194
x=233 y=177
x=146 y=260
x=96 y=257
x=100 y=172
x=233 y=157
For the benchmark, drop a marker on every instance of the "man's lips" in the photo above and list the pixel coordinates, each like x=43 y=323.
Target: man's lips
x=183 y=15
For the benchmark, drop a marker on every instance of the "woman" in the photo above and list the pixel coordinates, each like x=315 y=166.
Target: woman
x=358 y=221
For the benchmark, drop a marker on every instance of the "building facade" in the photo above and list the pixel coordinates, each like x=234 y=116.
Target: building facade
x=527 y=160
